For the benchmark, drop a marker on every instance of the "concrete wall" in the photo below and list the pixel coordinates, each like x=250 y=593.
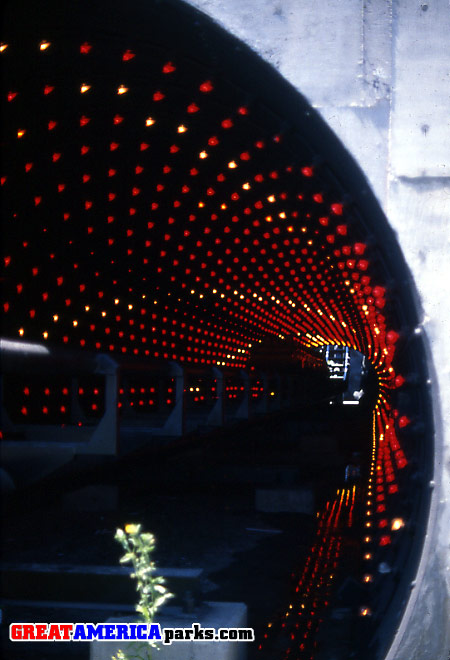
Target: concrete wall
x=378 y=71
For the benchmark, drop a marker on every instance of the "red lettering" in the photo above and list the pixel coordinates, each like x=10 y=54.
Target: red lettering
x=41 y=631
x=15 y=632
x=28 y=631
x=66 y=629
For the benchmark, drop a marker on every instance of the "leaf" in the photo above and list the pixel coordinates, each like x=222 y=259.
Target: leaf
x=127 y=557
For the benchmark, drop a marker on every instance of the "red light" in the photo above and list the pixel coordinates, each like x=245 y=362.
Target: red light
x=206 y=87
x=168 y=68
x=337 y=209
x=128 y=55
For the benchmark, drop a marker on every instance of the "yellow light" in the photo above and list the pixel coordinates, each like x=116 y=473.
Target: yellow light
x=367 y=539
x=232 y=165
x=87 y=308
x=122 y=89
x=365 y=611
x=181 y=129
x=21 y=132
x=268 y=218
x=3 y=47
x=271 y=198
x=223 y=207
x=130 y=306
x=75 y=323
x=45 y=334
x=21 y=331
x=55 y=317
x=201 y=205
x=203 y=155
x=368 y=578
x=85 y=88
x=397 y=524
x=367 y=556
x=103 y=313
x=149 y=121
x=44 y=45
x=116 y=301
x=246 y=186
x=282 y=215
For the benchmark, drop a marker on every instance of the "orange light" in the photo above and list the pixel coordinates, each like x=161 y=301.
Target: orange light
x=182 y=129
x=149 y=121
x=84 y=88
x=122 y=89
x=44 y=45
x=397 y=523
x=21 y=132
x=3 y=47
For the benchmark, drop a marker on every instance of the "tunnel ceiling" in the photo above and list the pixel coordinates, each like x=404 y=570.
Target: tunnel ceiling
x=166 y=195
x=156 y=207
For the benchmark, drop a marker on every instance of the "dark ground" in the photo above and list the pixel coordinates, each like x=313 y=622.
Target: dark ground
x=199 y=512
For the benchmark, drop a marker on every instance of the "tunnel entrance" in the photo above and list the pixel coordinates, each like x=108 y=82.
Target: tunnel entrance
x=167 y=196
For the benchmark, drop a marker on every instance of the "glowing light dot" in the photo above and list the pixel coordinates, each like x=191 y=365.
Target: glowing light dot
x=246 y=186
x=103 y=313
x=21 y=332
x=45 y=334
x=397 y=524
x=149 y=121
x=122 y=89
x=3 y=47
x=21 y=132
x=203 y=154
x=55 y=317
x=232 y=165
x=271 y=198
x=85 y=88
x=75 y=323
x=182 y=129
x=44 y=45
x=365 y=611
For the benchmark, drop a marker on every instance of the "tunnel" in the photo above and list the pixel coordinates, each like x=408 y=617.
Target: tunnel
x=169 y=198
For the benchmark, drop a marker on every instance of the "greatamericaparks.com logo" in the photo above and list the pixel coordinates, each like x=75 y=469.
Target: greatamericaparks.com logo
x=128 y=632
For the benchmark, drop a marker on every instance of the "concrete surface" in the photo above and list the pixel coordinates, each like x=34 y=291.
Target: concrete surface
x=289 y=500
x=379 y=73
x=211 y=615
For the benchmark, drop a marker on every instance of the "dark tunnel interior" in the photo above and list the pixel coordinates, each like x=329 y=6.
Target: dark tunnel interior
x=168 y=199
